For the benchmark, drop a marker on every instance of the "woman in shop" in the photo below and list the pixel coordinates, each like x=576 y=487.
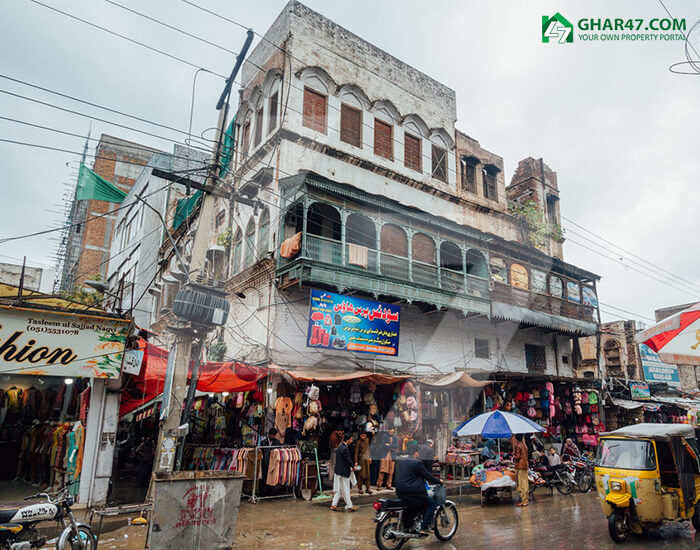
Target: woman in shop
x=362 y=462
x=387 y=464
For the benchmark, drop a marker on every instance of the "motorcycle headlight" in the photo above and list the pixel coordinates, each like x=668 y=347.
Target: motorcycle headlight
x=70 y=500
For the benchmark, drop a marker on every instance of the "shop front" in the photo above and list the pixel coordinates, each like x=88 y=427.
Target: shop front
x=54 y=369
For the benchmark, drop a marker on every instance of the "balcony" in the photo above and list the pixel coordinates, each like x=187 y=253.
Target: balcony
x=390 y=254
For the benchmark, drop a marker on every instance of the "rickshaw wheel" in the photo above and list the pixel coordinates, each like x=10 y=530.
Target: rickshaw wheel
x=696 y=517
x=619 y=524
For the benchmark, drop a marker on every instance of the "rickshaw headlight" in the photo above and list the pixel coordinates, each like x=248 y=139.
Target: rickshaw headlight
x=618 y=486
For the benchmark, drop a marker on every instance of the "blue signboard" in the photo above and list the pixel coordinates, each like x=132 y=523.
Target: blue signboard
x=655 y=370
x=352 y=324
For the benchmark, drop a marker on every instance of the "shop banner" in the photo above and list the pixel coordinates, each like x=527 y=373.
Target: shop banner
x=353 y=324
x=48 y=343
x=640 y=390
x=655 y=370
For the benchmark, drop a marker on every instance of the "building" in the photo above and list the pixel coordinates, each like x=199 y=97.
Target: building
x=12 y=274
x=356 y=153
x=620 y=357
x=153 y=206
x=87 y=244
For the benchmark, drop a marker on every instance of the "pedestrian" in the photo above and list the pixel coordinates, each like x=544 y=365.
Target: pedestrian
x=569 y=451
x=411 y=488
x=341 y=479
x=145 y=453
x=270 y=441
x=426 y=454
x=375 y=453
x=521 y=466
x=553 y=458
x=387 y=464
x=334 y=440
x=362 y=462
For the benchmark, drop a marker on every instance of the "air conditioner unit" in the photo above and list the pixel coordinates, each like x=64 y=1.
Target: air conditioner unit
x=201 y=305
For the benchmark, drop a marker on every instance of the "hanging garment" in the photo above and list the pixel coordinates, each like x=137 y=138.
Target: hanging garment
x=357 y=255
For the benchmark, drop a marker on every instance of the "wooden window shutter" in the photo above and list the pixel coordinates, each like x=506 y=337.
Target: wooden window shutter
x=314 y=110
x=246 y=138
x=412 y=153
x=423 y=249
x=393 y=240
x=258 y=126
x=272 y=123
x=350 y=125
x=439 y=163
x=383 y=139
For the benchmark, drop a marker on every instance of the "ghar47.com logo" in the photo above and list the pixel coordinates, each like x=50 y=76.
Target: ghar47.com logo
x=557 y=28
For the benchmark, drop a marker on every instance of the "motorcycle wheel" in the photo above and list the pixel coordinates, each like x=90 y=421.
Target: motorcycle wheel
x=446 y=522
x=381 y=533
x=619 y=525
x=85 y=540
x=585 y=482
x=565 y=486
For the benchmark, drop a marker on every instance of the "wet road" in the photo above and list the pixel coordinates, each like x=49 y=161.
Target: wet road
x=551 y=522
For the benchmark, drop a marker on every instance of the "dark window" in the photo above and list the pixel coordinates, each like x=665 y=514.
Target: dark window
x=565 y=359
x=314 y=110
x=383 y=139
x=469 y=174
x=481 y=348
x=258 y=126
x=490 y=189
x=350 y=125
x=412 y=153
x=552 y=209
x=439 y=163
x=535 y=358
x=246 y=139
x=220 y=217
x=272 y=112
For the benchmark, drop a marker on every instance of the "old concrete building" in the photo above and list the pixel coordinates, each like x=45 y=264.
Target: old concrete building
x=620 y=356
x=88 y=241
x=348 y=149
x=11 y=274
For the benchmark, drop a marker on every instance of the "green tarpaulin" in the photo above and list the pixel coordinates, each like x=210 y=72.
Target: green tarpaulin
x=227 y=149
x=184 y=209
x=93 y=187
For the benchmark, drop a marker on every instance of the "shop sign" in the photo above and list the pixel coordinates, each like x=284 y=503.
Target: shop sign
x=45 y=343
x=132 y=361
x=640 y=390
x=655 y=370
x=353 y=324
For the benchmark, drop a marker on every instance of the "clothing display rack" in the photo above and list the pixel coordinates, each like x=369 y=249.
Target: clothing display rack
x=288 y=468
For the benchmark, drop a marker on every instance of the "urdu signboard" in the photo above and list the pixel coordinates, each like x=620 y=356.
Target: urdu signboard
x=655 y=370
x=34 y=341
x=347 y=323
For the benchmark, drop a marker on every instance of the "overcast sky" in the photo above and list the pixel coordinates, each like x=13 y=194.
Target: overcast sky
x=620 y=130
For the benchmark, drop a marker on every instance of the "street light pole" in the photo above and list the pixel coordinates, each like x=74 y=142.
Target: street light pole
x=186 y=332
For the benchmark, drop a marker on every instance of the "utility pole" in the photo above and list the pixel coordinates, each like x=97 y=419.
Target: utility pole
x=192 y=315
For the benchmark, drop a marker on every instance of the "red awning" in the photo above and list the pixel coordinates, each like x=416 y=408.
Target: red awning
x=214 y=377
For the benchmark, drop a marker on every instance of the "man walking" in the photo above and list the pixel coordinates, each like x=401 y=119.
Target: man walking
x=341 y=478
x=521 y=465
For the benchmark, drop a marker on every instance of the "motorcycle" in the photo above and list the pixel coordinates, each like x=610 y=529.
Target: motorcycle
x=18 y=525
x=560 y=477
x=398 y=523
x=583 y=473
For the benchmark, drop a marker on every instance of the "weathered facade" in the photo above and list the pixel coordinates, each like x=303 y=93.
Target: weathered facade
x=619 y=353
x=348 y=148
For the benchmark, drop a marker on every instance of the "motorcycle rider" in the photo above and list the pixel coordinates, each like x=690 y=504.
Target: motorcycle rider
x=411 y=488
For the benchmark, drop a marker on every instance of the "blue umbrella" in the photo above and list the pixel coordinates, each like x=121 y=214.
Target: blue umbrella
x=498 y=425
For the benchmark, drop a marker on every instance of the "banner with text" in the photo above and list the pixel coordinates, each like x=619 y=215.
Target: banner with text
x=353 y=324
x=655 y=370
x=48 y=343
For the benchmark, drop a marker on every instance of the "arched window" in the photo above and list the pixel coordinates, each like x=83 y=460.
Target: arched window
x=237 y=260
x=360 y=230
x=394 y=246
x=264 y=233
x=249 y=253
x=323 y=237
x=452 y=267
x=613 y=356
x=476 y=264
x=424 y=260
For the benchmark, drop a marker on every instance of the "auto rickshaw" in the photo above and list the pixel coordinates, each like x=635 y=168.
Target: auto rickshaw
x=647 y=474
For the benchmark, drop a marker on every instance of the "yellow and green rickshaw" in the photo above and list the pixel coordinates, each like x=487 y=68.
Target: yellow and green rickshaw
x=647 y=474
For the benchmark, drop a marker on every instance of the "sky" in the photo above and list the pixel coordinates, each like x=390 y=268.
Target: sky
x=617 y=126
